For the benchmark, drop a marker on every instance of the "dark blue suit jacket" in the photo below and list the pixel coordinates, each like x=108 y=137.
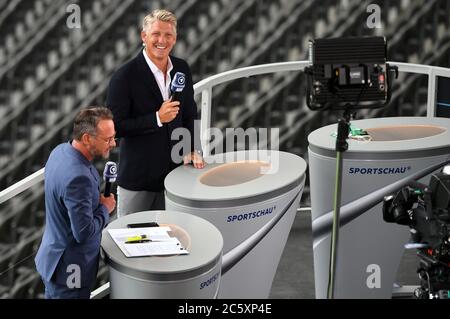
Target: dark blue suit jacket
x=145 y=148
x=74 y=218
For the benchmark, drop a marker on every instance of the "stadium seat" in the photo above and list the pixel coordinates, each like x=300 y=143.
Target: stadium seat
x=39 y=7
x=67 y=104
x=405 y=4
x=41 y=72
x=51 y=117
x=6 y=270
x=392 y=15
x=19 y=31
x=202 y=22
x=88 y=20
x=109 y=62
x=121 y=48
x=97 y=8
x=10 y=43
x=21 y=288
x=2 y=56
x=64 y=47
x=52 y=60
x=133 y=36
x=29 y=85
x=36 y=131
x=26 y=250
x=214 y=9
x=82 y=89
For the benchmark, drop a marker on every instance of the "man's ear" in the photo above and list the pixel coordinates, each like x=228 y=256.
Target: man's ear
x=86 y=139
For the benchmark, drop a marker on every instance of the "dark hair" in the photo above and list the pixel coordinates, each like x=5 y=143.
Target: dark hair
x=87 y=119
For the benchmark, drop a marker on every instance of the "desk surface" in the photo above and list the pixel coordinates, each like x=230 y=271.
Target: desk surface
x=184 y=184
x=201 y=238
x=321 y=140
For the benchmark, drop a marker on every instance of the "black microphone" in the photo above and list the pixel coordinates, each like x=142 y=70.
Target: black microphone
x=177 y=85
x=109 y=175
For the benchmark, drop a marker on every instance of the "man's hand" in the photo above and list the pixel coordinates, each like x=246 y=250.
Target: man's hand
x=168 y=111
x=195 y=158
x=109 y=202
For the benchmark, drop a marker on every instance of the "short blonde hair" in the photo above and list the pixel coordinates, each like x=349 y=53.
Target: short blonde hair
x=161 y=15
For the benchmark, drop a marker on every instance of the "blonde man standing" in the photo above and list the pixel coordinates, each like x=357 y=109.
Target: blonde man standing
x=145 y=116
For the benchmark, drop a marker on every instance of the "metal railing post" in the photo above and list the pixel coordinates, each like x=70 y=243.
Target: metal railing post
x=205 y=120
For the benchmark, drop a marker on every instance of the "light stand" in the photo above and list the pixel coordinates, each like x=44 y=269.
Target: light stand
x=346 y=74
x=341 y=147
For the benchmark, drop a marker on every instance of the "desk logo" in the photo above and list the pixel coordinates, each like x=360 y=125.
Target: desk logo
x=251 y=215
x=378 y=170
x=208 y=282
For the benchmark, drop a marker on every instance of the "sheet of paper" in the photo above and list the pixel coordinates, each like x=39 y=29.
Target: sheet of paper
x=161 y=243
x=153 y=233
x=162 y=248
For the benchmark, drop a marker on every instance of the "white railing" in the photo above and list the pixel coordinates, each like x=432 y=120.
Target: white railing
x=205 y=87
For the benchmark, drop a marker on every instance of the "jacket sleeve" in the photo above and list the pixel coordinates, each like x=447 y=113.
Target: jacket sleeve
x=84 y=221
x=119 y=101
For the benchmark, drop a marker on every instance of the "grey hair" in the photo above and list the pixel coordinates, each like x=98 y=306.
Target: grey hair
x=160 y=15
x=87 y=119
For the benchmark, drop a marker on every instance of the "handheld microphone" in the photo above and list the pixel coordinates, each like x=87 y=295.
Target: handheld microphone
x=177 y=85
x=109 y=175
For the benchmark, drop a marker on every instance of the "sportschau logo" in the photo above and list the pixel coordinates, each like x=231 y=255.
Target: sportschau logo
x=251 y=215
x=209 y=281
x=379 y=170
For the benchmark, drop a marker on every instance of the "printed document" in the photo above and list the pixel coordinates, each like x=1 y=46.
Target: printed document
x=156 y=242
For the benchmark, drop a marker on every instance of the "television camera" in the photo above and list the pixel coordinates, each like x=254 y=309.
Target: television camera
x=426 y=210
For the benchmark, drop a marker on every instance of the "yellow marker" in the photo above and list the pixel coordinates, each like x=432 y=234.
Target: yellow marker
x=136 y=238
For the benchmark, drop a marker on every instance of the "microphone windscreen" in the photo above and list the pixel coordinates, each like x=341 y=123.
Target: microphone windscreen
x=110 y=172
x=178 y=82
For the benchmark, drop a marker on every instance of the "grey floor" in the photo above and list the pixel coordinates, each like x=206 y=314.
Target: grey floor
x=296 y=266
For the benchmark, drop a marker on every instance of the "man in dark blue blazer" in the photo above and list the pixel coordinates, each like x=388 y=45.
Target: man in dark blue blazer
x=76 y=212
x=145 y=117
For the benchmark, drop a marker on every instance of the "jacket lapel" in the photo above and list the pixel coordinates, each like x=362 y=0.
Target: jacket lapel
x=172 y=73
x=148 y=78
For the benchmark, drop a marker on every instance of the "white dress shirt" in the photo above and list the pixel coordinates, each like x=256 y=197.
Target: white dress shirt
x=163 y=81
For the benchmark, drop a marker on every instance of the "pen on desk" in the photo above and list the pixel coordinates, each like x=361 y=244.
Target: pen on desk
x=138 y=241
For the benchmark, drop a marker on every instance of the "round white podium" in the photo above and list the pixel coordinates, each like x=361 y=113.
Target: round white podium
x=195 y=275
x=369 y=249
x=252 y=198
